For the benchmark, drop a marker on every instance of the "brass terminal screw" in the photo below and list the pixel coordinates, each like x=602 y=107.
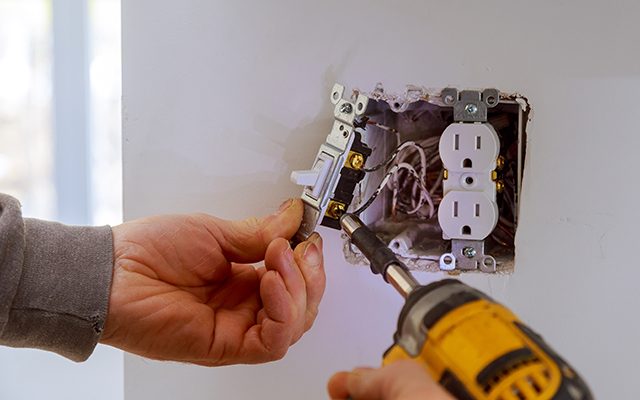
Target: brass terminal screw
x=494 y=175
x=355 y=161
x=500 y=162
x=499 y=186
x=445 y=174
x=335 y=210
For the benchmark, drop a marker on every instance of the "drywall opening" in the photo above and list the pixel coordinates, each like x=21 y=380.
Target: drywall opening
x=400 y=215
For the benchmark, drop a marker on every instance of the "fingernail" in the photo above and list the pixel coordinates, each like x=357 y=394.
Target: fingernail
x=312 y=256
x=316 y=238
x=284 y=206
x=290 y=264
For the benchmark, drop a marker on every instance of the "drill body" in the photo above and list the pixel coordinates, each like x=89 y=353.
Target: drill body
x=473 y=346
x=478 y=349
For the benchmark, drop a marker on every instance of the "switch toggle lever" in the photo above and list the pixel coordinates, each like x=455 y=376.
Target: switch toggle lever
x=315 y=178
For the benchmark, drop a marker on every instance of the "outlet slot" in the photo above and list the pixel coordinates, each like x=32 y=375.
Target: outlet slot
x=455 y=209
x=466 y=230
x=456 y=142
x=467 y=163
x=478 y=142
x=477 y=211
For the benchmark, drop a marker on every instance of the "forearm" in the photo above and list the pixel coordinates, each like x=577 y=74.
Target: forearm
x=54 y=283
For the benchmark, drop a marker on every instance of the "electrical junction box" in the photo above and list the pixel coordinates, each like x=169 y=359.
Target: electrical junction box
x=436 y=173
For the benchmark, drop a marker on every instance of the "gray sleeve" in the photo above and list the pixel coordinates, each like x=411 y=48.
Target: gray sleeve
x=54 y=283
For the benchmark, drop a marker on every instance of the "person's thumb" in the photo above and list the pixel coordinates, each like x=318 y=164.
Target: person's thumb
x=401 y=380
x=246 y=241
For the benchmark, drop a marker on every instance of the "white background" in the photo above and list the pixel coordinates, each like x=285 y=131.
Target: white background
x=222 y=99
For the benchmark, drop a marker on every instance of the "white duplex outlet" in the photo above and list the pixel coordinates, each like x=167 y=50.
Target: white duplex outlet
x=468 y=210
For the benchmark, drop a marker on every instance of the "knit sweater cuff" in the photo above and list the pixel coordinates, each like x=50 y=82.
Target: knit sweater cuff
x=54 y=283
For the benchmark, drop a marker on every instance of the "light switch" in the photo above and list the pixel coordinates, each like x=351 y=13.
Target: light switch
x=305 y=178
x=315 y=178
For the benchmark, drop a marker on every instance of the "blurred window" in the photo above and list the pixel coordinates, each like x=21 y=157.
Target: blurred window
x=34 y=157
x=26 y=143
x=73 y=45
x=106 y=103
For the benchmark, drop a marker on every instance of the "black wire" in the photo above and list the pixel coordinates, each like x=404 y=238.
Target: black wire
x=374 y=195
x=383 y=183
x=392 y=156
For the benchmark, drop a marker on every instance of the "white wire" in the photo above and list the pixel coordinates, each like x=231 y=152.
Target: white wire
x=420 y=179
x=424 y=191
x=413 y=172
x=423 y=157
x=420 y=195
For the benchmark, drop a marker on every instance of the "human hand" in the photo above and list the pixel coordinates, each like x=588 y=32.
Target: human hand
x=182 y=289
x=400 y=380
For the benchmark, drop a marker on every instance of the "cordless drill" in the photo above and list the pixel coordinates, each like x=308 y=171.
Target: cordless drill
x=474 y=347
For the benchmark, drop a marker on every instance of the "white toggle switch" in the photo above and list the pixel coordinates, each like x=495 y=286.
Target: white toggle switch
x=316 y=177
x=305 y=178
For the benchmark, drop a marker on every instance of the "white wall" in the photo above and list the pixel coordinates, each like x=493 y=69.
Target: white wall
x=222 y=99
x=33 y=374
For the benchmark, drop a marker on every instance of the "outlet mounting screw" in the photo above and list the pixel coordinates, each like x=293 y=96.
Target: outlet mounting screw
x=471 y=108
x=469 y=252
x=346 y=108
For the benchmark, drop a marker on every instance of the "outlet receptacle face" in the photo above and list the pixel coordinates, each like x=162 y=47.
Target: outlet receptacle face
x=467 y=215
x=469 y=153
x=469 y=145
x=468 y=210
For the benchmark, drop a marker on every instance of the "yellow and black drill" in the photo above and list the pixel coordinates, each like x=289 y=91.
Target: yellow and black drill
x=475 y=347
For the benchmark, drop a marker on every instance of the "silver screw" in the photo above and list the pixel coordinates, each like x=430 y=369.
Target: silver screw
x=471 y=108
x=469 y=252
x=346 y=108
x=448 y=99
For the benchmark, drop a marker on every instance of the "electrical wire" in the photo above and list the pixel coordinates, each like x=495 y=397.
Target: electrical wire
x=393 y=156
x=414 y=190
x=408 y=196
x=499 y=241
x=438 y=183
x=417 y=257
x=386 y=128
x=375 y=194
x=425 y=193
